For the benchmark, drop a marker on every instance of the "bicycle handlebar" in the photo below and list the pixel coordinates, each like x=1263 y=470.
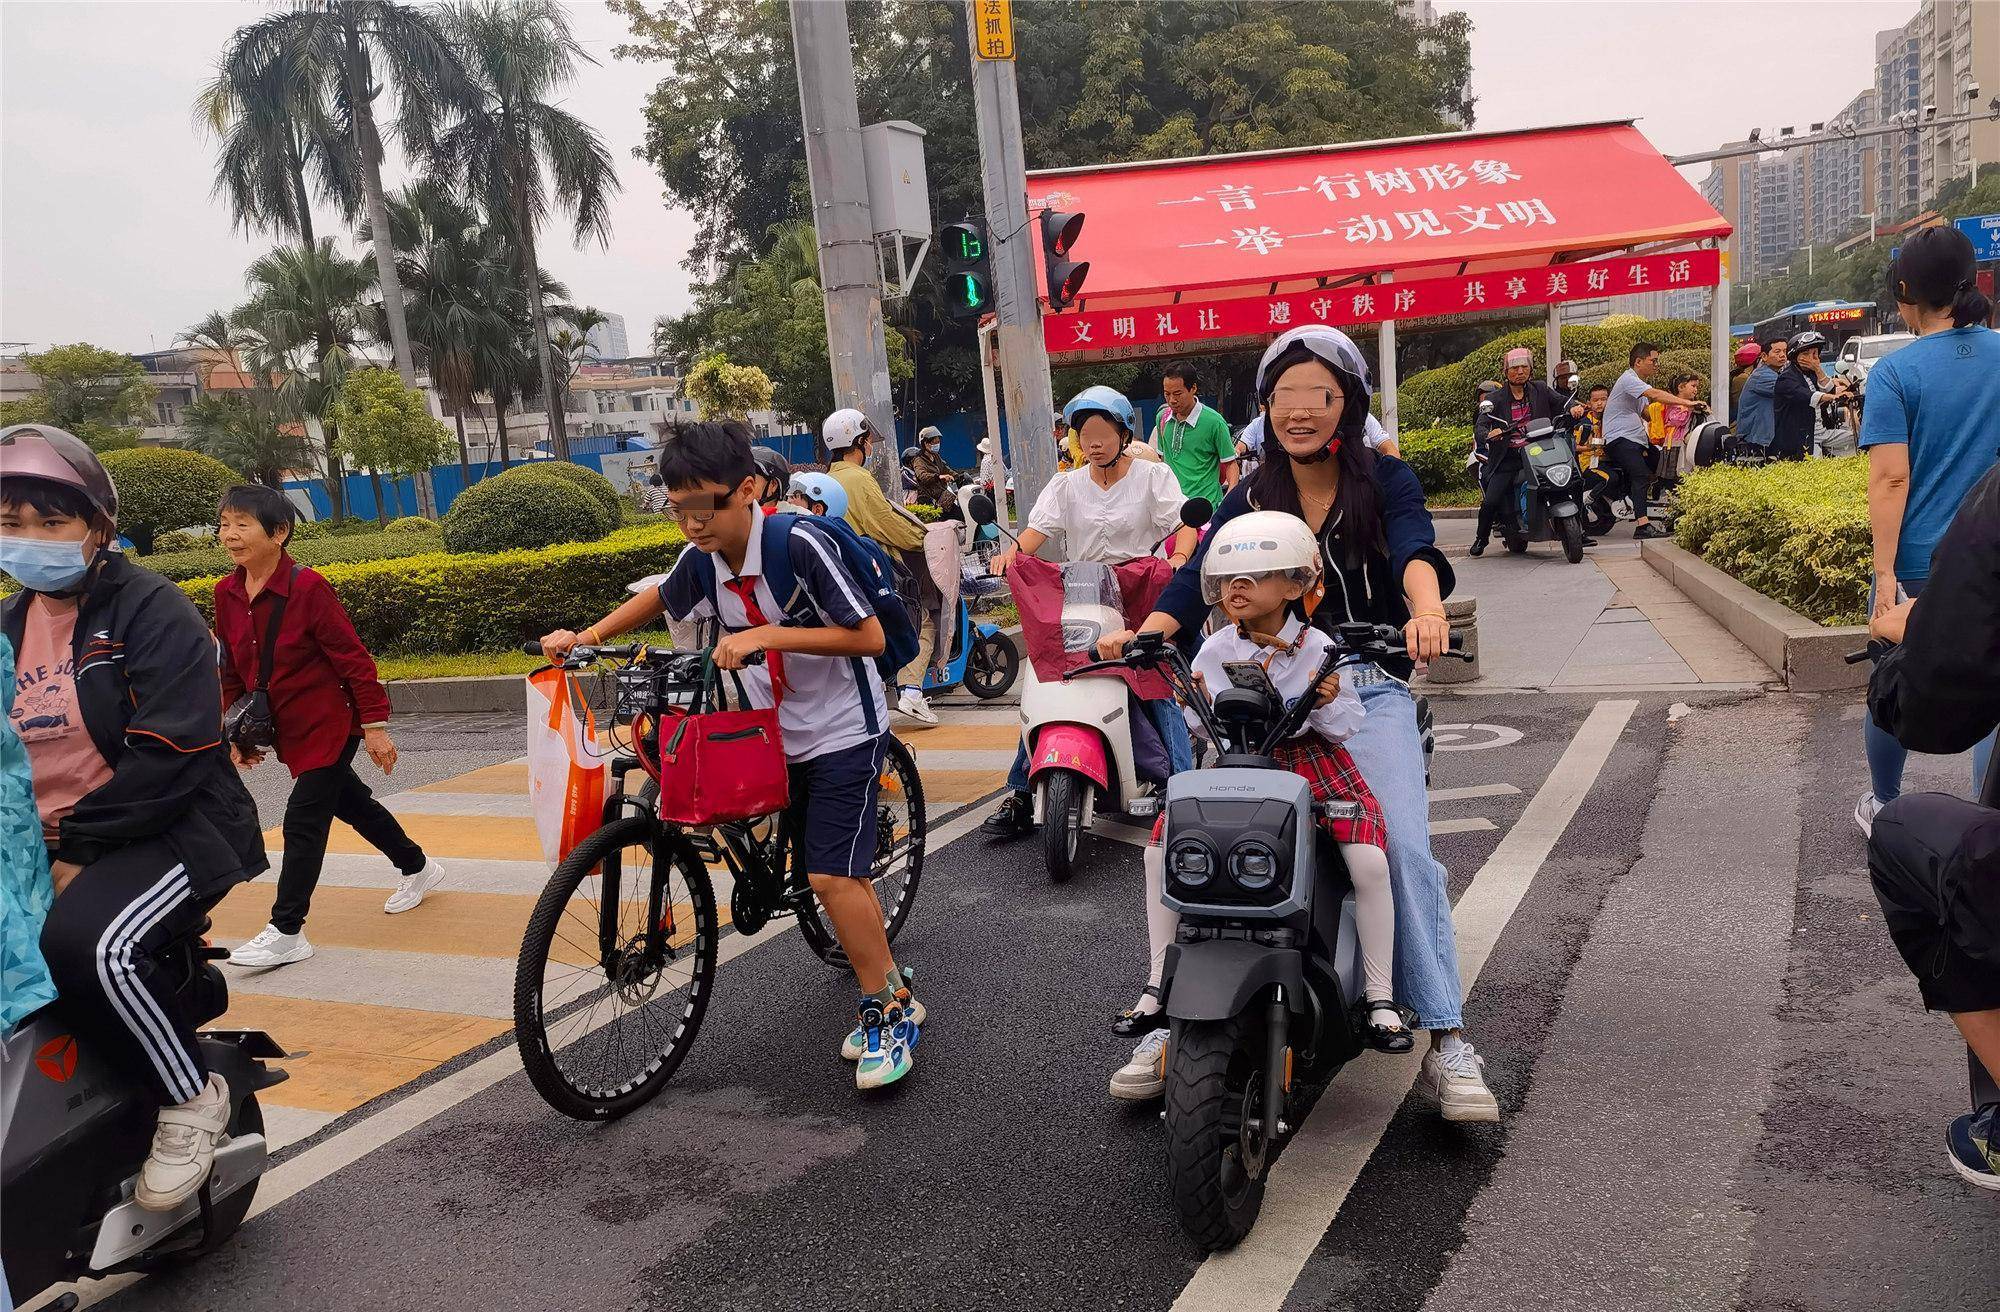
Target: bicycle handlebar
x=581 y=655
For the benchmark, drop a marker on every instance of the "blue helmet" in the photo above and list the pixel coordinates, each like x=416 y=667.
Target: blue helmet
x=824 y=488
x=1101 y=400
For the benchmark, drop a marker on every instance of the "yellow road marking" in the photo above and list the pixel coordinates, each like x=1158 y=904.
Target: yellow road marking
x=503 y=838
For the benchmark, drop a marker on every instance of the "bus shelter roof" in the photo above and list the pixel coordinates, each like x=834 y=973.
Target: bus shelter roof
x=1435 y=210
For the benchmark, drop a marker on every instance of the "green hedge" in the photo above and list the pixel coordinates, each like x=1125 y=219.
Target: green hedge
x=346 y=549
x=1797 y=532
x=162 y=488
x=1438 y=457
x=510 y=512
x=312 y=530
x=441 y=602
x=589 y=480
x=410 y=524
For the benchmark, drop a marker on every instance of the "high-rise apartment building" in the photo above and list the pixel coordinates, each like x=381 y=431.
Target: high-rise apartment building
x=607 y=340
x=1958 y=68
x=1898 y=91
x=1840 y=176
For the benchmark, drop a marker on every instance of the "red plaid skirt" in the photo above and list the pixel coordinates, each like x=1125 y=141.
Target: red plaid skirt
x=1333 y=778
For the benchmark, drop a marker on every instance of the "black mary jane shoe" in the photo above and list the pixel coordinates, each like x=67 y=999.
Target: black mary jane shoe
x=1131 y=1024
x=1384 y=1038
x=1478 y=547
x=1015 y=818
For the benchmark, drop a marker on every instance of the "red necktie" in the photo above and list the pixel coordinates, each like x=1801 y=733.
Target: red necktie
x=746 y=591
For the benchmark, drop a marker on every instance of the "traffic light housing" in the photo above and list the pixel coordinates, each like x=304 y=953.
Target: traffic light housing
x=968 y=272
x=1065 y=276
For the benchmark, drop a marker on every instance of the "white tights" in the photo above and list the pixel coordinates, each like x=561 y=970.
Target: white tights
x=1374 y=917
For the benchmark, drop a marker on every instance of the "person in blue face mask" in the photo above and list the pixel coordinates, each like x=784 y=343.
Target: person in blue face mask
x=118 y=701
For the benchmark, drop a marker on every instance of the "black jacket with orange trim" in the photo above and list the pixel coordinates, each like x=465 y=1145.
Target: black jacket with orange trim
x=147 y=683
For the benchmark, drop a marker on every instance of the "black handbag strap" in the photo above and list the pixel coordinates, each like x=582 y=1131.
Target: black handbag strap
x=269 y=651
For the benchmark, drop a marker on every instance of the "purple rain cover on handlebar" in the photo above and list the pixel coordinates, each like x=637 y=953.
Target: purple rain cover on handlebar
x=1038 y=595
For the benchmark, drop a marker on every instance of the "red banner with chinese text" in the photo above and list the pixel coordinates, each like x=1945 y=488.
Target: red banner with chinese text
x=1253 y=316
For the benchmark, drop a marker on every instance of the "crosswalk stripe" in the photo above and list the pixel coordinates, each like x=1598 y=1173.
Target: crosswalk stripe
x=357 y=1051
x=1473 y=825
x=1477 y=790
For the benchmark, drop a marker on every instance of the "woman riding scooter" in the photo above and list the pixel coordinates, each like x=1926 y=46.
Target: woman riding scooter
x=1112 y=508
x=1382 y=565
x=147 y=824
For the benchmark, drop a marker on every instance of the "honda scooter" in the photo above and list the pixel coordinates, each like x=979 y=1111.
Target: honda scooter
x=1547 y=505
x=1262 y=979
x=75 y=1128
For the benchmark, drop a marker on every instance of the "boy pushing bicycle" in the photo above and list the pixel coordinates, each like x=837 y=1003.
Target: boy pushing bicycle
x=820 y=643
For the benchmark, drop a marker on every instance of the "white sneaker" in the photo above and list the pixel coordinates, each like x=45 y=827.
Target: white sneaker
x=410 y=893
x=183 y=1148
x=1457 y=1079
x=912 y=704
x=272 y=948
x=1145 y=1076
x=1865 y=812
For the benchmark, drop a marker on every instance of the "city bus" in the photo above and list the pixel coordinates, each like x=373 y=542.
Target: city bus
x=1838 y=320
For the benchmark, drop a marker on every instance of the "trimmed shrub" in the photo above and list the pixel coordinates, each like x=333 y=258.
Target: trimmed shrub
x=440 y=602
x=313 y=529
x=508 y=512
x=409 y=524
x=162 y=488
x=345 y=549
x=181 y=539
x=928 y=514
x=597 y=485
x=1796 y=532
x=1438 y=457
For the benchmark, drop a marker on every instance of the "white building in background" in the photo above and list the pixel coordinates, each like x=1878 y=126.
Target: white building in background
x=607 y=340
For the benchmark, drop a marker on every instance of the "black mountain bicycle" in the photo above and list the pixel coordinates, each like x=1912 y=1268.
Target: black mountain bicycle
x=619 y=956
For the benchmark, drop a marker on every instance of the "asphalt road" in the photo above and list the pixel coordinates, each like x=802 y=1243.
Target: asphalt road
x=1718 y=1086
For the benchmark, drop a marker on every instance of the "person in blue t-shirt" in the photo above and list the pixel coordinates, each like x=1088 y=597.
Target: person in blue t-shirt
x=1931 y=429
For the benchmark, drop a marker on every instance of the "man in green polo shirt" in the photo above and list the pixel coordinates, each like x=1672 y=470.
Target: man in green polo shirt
x=1193 y=439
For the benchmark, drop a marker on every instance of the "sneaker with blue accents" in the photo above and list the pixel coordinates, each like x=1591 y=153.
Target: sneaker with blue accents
x=1973 y=1140
x=856 y=1041
x=890 y=1042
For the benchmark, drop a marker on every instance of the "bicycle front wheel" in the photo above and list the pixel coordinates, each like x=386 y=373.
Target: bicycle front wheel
x=615 y=970
x=901 y=830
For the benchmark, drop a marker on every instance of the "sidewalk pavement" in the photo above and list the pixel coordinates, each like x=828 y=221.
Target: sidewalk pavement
x=387 y=999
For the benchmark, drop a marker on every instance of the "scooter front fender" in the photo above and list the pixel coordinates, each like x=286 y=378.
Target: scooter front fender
x=1563 y=509
x=1070 y=747
x=1220 y=978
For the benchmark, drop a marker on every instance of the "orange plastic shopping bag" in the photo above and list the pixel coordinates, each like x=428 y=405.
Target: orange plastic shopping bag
x=565 y=769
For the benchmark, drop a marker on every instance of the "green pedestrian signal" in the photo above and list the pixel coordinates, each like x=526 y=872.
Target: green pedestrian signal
x=968 y=277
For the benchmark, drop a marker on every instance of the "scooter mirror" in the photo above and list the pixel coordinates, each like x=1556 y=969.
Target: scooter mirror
x=1575 y=381
x=982 y=509
x=1196 y=512
x=1486 y=407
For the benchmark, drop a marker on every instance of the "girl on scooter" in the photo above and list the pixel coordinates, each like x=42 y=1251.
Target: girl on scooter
x=1381 y=565
x=1113 y=508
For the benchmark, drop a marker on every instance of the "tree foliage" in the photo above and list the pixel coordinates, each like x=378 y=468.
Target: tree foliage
x=725 y=390
x=161 y=488
x=101 y=396
x=1099 y=81
x=249 y=432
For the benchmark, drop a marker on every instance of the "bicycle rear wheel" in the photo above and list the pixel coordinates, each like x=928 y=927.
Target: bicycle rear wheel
x=615 y=970
x=901 y=830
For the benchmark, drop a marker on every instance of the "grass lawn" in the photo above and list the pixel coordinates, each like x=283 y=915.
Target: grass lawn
x=483 y=662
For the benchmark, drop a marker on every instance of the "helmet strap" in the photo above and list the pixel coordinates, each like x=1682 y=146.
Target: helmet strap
x=1328 y=452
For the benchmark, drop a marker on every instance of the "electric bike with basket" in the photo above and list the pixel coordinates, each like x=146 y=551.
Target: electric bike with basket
x=1261 y=981
x=620 y=953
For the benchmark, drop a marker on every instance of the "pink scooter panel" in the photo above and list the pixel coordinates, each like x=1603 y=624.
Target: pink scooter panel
x=1070 y=747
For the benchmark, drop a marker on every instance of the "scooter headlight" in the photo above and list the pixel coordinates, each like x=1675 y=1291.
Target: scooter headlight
x=1560 y=475
x=1253 y=865
x=1190 y=863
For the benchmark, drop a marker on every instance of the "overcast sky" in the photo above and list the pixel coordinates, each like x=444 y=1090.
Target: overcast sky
x=108 y=233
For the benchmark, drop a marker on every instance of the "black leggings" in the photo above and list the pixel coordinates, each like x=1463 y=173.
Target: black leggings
x=1502 y=479
x=102 y=942
x=319 y=797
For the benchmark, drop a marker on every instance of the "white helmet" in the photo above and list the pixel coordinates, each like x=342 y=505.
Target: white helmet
x=843 y=428
x=1259 y=543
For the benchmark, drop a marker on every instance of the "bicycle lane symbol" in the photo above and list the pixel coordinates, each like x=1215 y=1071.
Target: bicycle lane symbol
x=1474 y=737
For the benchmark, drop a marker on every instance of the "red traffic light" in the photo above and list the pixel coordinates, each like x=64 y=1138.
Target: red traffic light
x=1064 y=276
x=1059 y=231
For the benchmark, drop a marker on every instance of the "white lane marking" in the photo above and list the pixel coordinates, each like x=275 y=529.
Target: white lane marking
x=1474 y=737
x=399 y=1118
x=1476 y=790
x=1310 y=1182
x=1473 y=825
x=513 y=805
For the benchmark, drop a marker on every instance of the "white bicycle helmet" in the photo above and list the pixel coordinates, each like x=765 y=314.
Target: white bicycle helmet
x=843 y=428
x=1254 y=545
x=1337 y=352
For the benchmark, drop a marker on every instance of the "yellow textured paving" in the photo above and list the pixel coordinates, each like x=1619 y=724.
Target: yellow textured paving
x=961 y=737
x=483 y=837
x=449 y=922
x=356 y=1052
x=507 y=777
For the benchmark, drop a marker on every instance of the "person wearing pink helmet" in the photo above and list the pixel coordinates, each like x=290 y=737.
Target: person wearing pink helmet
x=119 y=704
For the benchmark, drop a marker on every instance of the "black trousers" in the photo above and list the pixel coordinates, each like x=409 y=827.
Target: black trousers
x=1629 y=459
x=319 y=797
x=1502 y=478
x=103 y=941
x=1935 y=864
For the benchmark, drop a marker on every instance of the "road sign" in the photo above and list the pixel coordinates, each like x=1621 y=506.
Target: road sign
x=1984 y=230
x=993 y=22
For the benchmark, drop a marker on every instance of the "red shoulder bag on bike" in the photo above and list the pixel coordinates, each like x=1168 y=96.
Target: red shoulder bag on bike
x=718 y=765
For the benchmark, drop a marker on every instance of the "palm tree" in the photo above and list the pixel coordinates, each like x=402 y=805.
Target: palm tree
x=251 y=430
x=301 y=332
x=513 y=147
x=270 y=120
x=570 y=344
x=344 y=53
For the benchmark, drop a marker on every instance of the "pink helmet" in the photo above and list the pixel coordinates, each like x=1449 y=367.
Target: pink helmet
x=46 y=452
x=1520 y=355
x=1748 y=353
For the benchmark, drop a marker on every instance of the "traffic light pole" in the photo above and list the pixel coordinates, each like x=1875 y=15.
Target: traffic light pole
x=1016 y=245
x=848 y=274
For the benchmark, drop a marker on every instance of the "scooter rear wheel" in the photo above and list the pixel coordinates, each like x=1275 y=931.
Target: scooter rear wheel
x=991 y=667
x=1214 y=1078
x=1062 y=822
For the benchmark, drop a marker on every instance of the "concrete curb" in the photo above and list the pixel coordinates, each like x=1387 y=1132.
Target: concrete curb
x=1811 y=656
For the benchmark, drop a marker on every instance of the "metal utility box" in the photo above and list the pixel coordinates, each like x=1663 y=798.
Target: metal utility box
x=899 y=194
